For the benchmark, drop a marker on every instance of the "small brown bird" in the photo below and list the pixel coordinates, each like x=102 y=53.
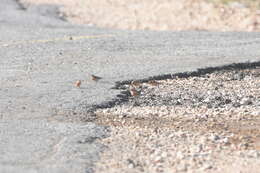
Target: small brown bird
x=135 y=83
x=95 y=78
x=78 y=83
x=153 y=83
x=133 y=91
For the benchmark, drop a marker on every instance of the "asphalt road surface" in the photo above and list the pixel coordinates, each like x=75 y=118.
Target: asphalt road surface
x=44 y=118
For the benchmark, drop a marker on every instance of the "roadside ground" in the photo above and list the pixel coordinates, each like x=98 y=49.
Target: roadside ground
x=208 y=123
x=212 y=15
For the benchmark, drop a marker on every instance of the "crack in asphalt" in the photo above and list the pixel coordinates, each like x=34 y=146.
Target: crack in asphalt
x=68 y=38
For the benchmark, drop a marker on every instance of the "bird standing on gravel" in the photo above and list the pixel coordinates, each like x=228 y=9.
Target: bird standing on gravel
x=133 y=91
x=153 y=83
x=135 y=83
x=95 y=78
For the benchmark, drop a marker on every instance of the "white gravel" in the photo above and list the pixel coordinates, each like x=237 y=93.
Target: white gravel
x=159 y=14
x=213 y=126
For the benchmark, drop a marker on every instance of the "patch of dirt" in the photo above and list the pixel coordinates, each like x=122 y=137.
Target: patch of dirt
x=245 y=132
x=160 y=14
x=168 y=128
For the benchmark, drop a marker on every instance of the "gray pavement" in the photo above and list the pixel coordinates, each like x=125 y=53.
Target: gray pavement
x=44 y=118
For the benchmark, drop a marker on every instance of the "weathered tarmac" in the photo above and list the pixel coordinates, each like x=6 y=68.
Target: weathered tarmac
x=44 y=118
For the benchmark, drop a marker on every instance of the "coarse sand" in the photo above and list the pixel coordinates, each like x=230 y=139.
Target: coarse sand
x=207 y=124
x=172 y=15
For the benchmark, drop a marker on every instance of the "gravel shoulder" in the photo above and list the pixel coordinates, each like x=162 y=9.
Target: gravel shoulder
x=208 y=123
